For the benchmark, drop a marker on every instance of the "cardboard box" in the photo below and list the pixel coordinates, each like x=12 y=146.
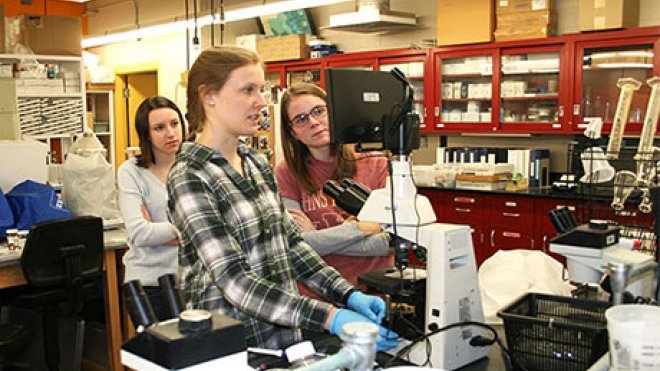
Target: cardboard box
x=539 y=32
x=465 y=21
x=525 y=25
x=516 y=6
x=283 y=48
x=45 y=34
x=248 y=41
x=526 y=19
x=607 y=14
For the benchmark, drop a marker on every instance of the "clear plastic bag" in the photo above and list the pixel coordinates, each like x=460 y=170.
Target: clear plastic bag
x=89 y=181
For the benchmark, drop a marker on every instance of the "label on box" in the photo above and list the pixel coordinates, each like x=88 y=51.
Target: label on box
x=538 y=4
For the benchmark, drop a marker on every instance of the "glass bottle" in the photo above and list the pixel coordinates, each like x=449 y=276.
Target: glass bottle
x=598 y=106
x=586 y=106
x=607 y=117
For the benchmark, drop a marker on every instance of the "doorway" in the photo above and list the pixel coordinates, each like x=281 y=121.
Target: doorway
x=130 y=90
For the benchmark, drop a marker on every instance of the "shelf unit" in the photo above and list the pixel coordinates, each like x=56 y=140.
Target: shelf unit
x=42 y=98
x=101 y=118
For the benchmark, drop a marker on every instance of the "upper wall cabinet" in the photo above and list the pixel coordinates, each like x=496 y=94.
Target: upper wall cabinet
x=599 y=64
x=464 y=92
x=540 y=86
x=530 y=99
x=543 y=86
x=503 y=88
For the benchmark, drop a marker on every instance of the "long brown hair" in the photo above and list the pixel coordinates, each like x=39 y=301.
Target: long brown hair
x=296 y=153
x=209 y=74
x=147 y=157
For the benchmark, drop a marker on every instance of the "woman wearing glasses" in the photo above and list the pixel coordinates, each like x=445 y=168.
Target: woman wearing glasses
x=309 y=160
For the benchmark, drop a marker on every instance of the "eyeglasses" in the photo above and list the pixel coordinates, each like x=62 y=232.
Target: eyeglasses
x=302 y=119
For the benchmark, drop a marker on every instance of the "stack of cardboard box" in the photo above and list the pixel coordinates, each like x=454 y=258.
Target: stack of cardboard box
x=524 y=19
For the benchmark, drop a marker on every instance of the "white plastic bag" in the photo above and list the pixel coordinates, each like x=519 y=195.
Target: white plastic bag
x=89 y=185
x=509 y=274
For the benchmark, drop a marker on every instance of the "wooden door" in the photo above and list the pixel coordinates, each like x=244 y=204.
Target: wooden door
x=130 y=90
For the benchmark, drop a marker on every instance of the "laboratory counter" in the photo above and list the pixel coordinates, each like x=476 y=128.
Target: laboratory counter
x=582 y=194
x=328 y=344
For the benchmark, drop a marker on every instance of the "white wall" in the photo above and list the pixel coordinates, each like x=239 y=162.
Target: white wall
x=167 y=52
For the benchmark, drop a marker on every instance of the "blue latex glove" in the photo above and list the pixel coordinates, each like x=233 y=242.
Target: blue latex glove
x=387 y=338
x=369 y=306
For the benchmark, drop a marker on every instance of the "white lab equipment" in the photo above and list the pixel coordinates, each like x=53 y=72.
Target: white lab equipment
x=452 y=288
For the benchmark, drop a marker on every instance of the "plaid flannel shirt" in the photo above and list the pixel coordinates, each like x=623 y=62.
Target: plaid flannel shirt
x=240 y=252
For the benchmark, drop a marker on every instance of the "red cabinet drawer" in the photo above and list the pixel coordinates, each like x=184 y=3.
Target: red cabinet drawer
x=512 y=212
x=465 y=209
x=509 y=239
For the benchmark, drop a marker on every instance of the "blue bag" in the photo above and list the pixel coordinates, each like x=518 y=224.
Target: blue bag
x=6 y=215
x=33 y=202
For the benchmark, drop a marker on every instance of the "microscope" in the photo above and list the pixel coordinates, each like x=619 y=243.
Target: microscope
x=446 y=292
x=596 y=255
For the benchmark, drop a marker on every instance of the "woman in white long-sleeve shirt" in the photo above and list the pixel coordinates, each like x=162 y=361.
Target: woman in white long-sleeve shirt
x=152 y=240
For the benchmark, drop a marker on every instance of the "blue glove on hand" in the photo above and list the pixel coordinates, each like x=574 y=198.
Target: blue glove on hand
x=369 y=306
x=387 y=338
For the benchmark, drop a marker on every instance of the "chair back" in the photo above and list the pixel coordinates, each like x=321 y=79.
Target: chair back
x=64 y=253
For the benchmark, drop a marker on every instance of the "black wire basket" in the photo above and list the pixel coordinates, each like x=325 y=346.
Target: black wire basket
x=546 y=332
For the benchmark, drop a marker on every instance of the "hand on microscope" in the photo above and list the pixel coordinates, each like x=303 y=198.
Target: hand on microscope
x=369 y=306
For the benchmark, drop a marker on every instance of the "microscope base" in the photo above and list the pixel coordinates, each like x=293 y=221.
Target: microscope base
x=451 y=295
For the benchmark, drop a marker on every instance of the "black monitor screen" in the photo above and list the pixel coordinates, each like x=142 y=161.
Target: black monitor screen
x=357 y=101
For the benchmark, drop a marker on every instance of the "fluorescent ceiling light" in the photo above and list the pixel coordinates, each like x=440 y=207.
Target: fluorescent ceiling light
x=230 y=15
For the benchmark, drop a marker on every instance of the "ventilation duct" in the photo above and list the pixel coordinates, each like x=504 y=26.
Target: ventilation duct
x=372 y=16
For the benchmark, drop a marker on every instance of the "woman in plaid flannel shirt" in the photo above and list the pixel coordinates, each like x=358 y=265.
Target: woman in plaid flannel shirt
x=240 y=254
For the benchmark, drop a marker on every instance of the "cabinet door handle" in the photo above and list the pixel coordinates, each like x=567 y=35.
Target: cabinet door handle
x=561 y=110
x=511 y=204
x=481 y=238
x=462 y=210
x=492 y=238
x=464 y=200
x=570 y=207
x=512 y=215
x=511 y=234
x=543 y=246
x=532 y=244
